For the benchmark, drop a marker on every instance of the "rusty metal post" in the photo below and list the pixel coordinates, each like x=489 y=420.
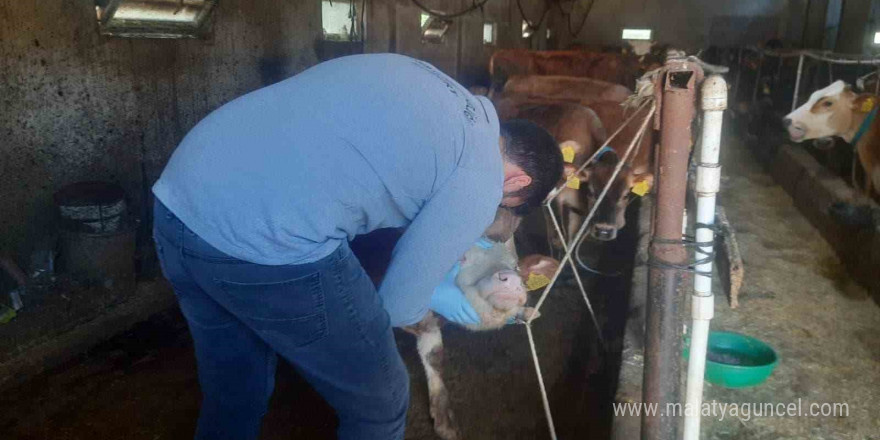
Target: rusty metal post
x=662 y=380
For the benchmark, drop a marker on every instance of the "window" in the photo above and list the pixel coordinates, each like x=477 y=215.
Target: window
x=423 y=19
x=337 y=18
x=876 y=37
x=636 y=34
x=489 y=33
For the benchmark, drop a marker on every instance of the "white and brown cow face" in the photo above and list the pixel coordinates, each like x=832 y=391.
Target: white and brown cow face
x=828 y=112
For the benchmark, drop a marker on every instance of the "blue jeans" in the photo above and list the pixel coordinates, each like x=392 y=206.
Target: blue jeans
x=324 y=317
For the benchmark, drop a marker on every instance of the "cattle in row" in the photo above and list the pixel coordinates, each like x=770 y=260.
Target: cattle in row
x=607 y=66
x=838 y=111
x=526 y=90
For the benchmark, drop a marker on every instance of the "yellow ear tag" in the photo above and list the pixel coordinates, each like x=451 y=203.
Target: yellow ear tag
x=641 y=188
x=536 y=281
x=568 y=154
x=573 y=182
x=867 y=105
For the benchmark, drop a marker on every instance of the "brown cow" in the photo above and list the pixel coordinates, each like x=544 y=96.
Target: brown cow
x=608 y=66
x=565 y=88
x=529 y=90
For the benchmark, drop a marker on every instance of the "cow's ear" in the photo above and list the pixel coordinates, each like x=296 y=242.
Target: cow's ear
x=864 y=103
x=641 y=184
x=570 y=149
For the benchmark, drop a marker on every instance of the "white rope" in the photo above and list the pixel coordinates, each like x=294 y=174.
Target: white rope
x=544 y=397
x=577 y=277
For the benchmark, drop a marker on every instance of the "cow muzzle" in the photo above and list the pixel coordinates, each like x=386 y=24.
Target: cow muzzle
x=603 y=232
x=795 y=130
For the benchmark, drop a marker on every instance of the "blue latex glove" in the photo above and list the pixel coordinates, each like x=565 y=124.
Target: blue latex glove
x=449 y=301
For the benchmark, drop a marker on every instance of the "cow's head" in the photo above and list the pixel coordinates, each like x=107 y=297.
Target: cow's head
x=828 y=112
x=610 y=216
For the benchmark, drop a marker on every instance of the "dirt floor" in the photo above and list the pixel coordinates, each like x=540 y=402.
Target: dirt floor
x=142 y=384
x=798 y=298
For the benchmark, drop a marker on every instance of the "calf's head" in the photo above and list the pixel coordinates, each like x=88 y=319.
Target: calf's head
x=610 y=216
x=490 y=274
x=829 y=112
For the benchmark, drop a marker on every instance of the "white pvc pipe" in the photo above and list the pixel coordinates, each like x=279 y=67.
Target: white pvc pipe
x=714 y=101
x=797 y=83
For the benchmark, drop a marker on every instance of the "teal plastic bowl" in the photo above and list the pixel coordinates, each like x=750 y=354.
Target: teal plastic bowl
x=736 y=361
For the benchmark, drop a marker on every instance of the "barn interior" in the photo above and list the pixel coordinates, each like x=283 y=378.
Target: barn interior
x=98 y=94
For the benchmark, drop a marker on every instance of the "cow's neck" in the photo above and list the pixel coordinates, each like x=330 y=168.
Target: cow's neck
x=855 y=127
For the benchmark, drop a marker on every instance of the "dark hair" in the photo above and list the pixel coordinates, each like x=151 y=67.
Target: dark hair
x=536 y=152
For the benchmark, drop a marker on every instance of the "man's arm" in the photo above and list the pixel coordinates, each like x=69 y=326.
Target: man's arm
x=448 y=224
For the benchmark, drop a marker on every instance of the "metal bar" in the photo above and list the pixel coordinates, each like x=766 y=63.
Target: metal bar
x=797 y=83
x=778 y=73
x=758 y=79
x=738 y=74
x=662 y=376
x=819 y=55
x=877 y=83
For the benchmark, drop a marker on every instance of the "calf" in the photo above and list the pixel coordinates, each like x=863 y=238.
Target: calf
x=838 y=111
x=635 y=178
x=492 y=281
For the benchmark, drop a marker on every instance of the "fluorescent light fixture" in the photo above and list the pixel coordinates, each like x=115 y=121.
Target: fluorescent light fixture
x=154 y=18
x=876 y=37
x=636 y=34
x=488 y=33
x=527 y=30
x=423 y=19
x=434 y=30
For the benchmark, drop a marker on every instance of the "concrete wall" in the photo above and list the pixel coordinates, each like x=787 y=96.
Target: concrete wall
x=814 y=29
x=78 y=106
x=693 y=24
x=853 y=34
